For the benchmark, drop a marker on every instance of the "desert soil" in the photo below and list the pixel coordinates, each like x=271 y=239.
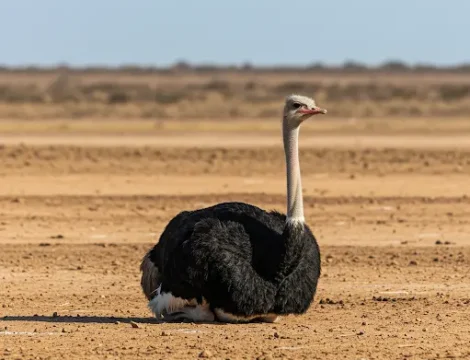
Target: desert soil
x=391 y=214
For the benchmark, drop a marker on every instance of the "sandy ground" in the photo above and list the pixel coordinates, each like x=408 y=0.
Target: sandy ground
x=392 y=216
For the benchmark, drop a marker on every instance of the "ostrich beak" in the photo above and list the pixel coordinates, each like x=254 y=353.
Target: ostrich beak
x=313 y=111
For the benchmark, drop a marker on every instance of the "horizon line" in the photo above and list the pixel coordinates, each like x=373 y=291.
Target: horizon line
x=351 y=64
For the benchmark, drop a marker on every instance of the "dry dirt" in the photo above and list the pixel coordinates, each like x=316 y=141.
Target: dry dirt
x=392 y=217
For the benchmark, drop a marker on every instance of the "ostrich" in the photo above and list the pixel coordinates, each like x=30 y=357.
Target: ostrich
x=234 y=262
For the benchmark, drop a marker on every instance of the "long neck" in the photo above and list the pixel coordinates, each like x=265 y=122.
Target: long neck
x=292 y=244
x=295 y=206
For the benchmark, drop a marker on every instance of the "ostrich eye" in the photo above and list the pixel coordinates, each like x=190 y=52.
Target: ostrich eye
x=296 y=105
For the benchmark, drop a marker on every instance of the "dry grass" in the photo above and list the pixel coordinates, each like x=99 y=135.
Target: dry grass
x=221 y=95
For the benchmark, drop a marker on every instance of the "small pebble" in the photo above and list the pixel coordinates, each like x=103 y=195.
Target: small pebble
x=205 y=354
x=134 y=325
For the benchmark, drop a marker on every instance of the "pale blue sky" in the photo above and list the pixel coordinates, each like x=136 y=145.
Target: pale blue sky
x=264 y=32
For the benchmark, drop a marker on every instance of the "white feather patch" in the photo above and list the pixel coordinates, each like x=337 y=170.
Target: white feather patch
x=296 y=220
x=166 y=303
x=175 y=308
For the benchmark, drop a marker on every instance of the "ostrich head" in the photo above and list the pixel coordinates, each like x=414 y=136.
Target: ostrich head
x=299 y=108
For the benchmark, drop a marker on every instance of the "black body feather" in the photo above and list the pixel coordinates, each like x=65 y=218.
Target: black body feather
x=240 y=258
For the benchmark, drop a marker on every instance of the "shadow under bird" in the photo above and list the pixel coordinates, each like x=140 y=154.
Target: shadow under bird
x=233 y=261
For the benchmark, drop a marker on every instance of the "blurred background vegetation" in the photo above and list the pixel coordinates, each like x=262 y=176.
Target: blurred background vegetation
x=186 y=92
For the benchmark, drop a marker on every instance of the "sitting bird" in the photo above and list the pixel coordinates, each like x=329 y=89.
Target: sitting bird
x=235 y=262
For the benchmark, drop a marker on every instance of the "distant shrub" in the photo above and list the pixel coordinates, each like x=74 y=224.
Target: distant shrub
x=118 y=97
x=454 y=92
x=217 y=85
x=21 y=94
x=168 y=97
x=354 y=66
x=250 y=85
x=394 y=65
